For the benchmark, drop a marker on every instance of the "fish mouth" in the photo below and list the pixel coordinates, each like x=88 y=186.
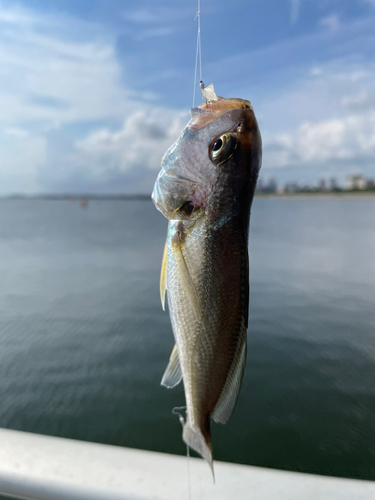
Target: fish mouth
x=177 y=199
x=209 y=111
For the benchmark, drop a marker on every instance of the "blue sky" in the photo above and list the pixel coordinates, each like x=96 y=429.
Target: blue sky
x=93 y=92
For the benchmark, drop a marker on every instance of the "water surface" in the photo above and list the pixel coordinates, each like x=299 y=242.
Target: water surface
x=84 y=341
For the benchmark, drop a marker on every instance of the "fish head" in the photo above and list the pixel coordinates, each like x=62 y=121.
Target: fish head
x=220 y=145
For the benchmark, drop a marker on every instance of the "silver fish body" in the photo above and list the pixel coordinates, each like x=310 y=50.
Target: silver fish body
x=205 y=189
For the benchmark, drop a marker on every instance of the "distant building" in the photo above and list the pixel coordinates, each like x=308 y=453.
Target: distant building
x=322 y=185
x=306 y=187
x=291 y=187
x=356 y=181
x=271 y=186
x=333 y=185
x=267 y=187
x=327 y=185
x=259 y=186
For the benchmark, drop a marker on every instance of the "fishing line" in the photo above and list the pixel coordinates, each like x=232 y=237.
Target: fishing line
x=176 y=411
x=198 y=54
x=188 y=471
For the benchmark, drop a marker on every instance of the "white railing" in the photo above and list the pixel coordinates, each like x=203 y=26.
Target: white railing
x=39 y=467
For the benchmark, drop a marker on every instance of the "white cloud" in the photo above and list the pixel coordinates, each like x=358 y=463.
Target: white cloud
x=316 y=71
x=330 y=22
x=55 y=73
x=124 y=160
x=141 y=142
x=154 y=32
x=155 y=20
x=336 y=146
x=294 y=11
x=158 y=14
x=47 y=78
x=361 y=101
x=324 y=92
x=58 y=74
x=52 y=73
x=17 y=132
x=328 y=123
x=21 y=153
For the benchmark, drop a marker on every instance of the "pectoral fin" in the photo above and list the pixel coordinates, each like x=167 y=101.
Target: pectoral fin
x=172 y=375
x=163 y=277
x=185 y=277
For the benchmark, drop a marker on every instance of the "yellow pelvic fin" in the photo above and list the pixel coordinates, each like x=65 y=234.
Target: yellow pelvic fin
x=163 y=277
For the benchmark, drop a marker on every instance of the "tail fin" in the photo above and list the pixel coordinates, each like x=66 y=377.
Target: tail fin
x=193 y=437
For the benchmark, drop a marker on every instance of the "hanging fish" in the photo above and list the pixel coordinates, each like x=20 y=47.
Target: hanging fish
x=205 y=188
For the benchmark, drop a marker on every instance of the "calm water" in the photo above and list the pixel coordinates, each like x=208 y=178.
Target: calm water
x=84 y=341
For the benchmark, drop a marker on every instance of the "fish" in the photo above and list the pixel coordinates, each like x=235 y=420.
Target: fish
x=205 y=189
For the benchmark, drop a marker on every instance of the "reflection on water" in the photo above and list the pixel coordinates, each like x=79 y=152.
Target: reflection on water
x=84 y=341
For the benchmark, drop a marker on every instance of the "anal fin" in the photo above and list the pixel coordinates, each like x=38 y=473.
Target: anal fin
x=228 y=396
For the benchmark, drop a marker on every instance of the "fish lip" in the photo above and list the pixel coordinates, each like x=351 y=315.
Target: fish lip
x=184 y=207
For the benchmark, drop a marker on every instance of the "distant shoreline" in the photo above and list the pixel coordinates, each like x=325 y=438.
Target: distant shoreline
x=319 y=195
x=78 y=197
x=147 y=197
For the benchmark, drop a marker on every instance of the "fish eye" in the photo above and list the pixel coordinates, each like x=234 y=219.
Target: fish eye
x=222 y=148
x=217 y=146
